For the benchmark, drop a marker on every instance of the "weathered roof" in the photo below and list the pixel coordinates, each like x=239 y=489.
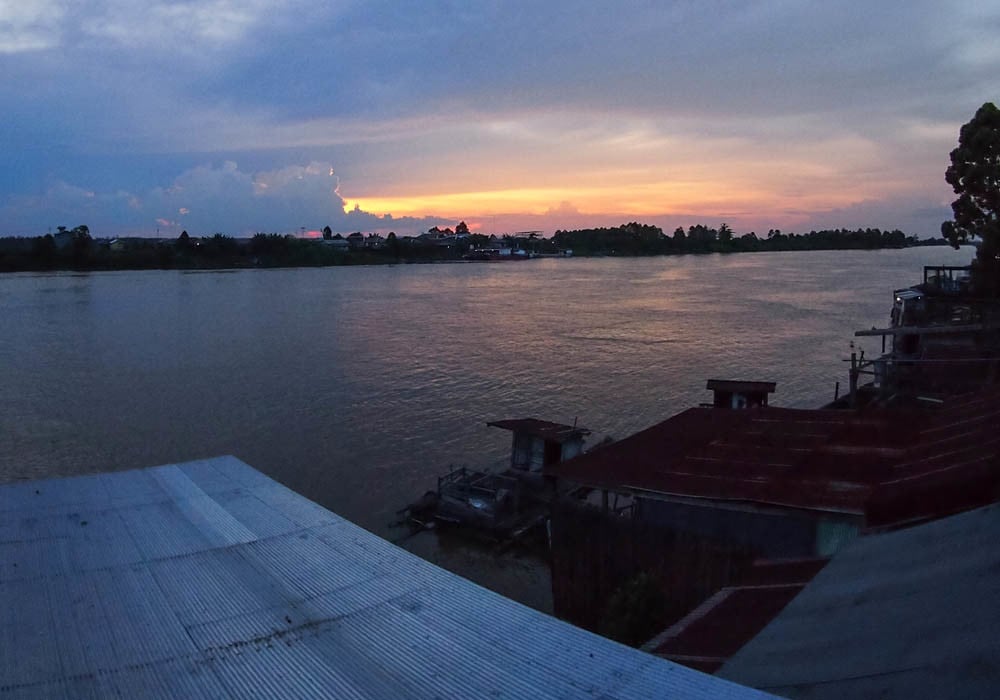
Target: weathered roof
x=907 y=614
x=883 y=463
x=740 y=385
x=816 y=459
x=208 y=579
x=556 y=432
x=715 y=630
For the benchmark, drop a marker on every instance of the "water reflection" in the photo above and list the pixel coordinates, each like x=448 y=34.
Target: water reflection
x=358 y=386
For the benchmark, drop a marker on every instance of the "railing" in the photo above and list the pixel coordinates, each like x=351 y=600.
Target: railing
x=948 y=279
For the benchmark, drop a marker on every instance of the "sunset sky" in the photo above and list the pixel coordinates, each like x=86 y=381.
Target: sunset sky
x=238 y=116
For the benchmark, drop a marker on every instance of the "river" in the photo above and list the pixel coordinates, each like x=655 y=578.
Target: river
x=357 y=386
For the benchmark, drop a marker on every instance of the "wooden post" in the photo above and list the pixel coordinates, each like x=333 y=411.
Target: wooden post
x=854 y=379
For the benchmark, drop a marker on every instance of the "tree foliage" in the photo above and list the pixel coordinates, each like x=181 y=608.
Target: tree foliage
x=636 y=611
x=974 y=175
x=640 y=239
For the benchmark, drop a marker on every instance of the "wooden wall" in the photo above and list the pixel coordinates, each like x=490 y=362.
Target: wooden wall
x=593 y=554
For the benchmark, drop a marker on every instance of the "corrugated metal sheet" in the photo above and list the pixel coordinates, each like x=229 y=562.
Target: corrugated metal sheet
x=547 y=430
x=888 y=465
x=907 y=614
x=208 y=579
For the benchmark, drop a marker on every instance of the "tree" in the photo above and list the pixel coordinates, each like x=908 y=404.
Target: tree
x=462 y=228
x=636 y=611
x=974 y=175
x=725 y=234
x=392 y=244
x=327 y=233
x=81 y=245
x=43 y=250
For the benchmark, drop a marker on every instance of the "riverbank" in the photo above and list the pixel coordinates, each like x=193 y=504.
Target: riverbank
x=77 y=251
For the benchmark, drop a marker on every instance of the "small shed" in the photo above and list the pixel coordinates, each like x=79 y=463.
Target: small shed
x=731 y=393
x=538 y=443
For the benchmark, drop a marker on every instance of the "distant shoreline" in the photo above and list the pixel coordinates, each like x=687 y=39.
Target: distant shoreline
x=83 y=254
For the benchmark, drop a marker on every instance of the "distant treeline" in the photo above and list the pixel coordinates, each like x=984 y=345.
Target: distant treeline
x=642 y=239
x=76 y=249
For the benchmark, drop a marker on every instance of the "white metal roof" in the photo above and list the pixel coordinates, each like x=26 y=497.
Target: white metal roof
x=907 y=614
x=208 y=579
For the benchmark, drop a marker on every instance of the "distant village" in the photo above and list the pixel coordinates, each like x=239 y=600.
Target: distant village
x=79 y=249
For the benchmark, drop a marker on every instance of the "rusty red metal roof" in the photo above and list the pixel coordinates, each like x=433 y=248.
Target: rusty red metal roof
x=556 y=432
x=716 y=630
x=711 y=633
x=827 y=460
x=815 y=459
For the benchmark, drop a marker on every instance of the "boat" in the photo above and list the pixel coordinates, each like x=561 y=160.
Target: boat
x=510 y=503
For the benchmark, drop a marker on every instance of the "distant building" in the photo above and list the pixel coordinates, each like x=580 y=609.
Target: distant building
x=337 y=243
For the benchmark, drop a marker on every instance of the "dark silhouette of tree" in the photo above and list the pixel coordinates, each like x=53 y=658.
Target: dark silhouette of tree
x=327 y=233
x=219 y=247
x=81 y=245
x=974 y=174
x=636 y=610
x=461 y=228
x=392 y=244
x=43 y=250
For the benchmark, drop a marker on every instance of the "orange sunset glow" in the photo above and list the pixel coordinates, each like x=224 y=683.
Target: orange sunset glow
x=760 y=115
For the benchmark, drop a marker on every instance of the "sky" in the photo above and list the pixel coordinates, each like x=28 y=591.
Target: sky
x=239 y=116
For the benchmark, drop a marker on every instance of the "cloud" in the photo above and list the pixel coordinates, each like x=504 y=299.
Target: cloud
x=207 y=199
x=28 y=26
x=564 y=208
x=225 y=198
x=911 y=215
x=758 y=108
x=186 y=26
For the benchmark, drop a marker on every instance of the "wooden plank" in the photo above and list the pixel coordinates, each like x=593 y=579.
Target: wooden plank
x=922 y=330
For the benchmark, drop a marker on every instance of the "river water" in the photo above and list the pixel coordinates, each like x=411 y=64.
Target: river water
x=357 y=386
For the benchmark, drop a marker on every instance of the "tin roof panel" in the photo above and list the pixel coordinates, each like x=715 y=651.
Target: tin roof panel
x=209 y=580
x=904 y=614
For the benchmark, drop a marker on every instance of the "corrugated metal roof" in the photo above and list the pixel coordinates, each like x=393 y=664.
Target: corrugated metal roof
x=544 y=429
x=884 y=463
x=207 y=579
x=723 y=623
x=908 y=614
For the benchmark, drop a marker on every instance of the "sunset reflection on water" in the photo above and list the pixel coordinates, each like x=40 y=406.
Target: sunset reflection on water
x=358 y=386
